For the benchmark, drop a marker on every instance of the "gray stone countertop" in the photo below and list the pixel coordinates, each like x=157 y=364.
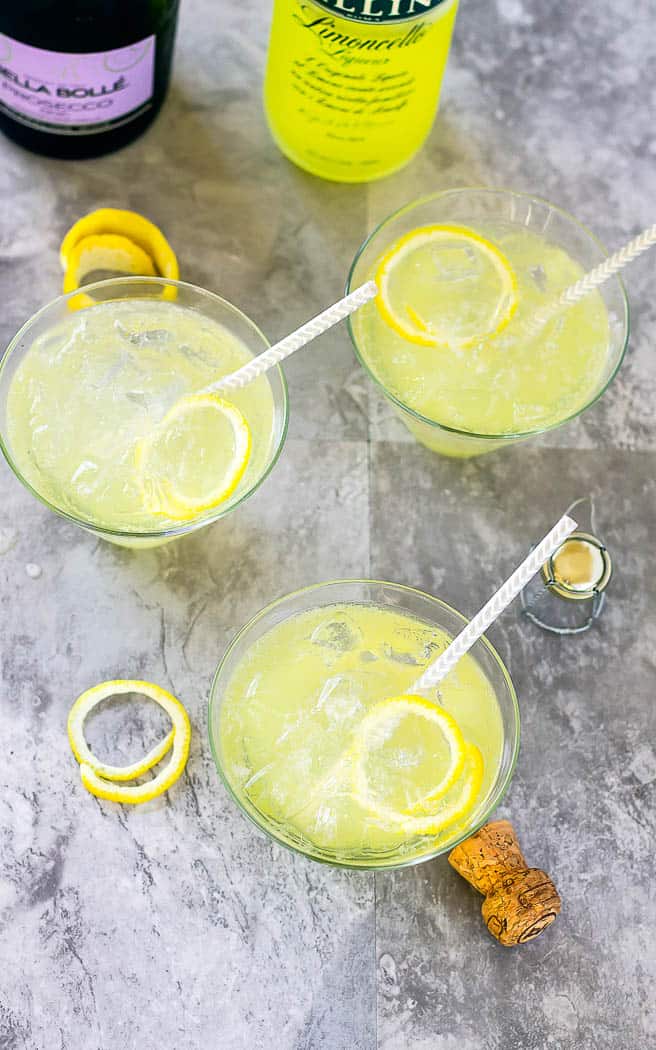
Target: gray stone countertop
x=177 y=924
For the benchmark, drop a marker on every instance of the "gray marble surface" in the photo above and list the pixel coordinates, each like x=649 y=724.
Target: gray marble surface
x=177 y=924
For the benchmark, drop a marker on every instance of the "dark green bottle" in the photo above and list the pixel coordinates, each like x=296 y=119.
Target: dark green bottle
x=83 y=77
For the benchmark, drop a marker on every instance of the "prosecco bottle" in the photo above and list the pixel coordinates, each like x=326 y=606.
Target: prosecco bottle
x=83 y=77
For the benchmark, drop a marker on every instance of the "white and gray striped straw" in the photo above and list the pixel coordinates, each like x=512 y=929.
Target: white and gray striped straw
x=586 y=284
x=291 y=343
x=499 y=601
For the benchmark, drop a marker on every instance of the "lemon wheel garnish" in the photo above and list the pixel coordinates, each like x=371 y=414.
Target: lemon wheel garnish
x=104 y=780
x=399 y=743
x=446 y=286
x=454 y=807
x=148 y=254
x=174 y=463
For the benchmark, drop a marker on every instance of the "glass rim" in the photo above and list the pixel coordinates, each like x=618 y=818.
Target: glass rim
x=492 y=192
x=495 y=799
x=172 y=531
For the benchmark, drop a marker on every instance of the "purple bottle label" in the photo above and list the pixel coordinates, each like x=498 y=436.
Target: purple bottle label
x=73 y=94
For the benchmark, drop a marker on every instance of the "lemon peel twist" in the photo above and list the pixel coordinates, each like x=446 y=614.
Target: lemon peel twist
x=115 y=239
x=108 y=781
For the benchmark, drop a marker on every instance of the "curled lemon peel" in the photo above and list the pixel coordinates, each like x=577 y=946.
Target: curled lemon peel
x=107 y=781
x=107 y=251
x=157 y=256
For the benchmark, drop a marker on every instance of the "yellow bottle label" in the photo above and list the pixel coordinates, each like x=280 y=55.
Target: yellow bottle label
x=379 y=10
x=352 y=85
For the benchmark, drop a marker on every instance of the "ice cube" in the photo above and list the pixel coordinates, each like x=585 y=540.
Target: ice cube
x=196 y=356
x=138 y=397
x=121 y=330
x=409 y=647
x=84 y=479
x=329 y=687
x=68 y=344
x=400 y=657
x=152 y=337
x=454 y=263
x=118 y=365
x=258 y=775
x=325 y=822
x=539 y=277
x=340 y=699
x=344 y=709
x=253 y=685
x=338 y=633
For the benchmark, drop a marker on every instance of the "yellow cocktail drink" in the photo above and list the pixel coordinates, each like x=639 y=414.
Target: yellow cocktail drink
x=320 y=741
x=103 y=418
x=451 y=337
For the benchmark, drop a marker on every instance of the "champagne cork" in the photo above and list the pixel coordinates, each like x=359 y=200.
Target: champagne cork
x=520 y=902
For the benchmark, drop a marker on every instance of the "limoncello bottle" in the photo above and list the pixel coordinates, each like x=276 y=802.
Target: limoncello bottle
x=352 y=86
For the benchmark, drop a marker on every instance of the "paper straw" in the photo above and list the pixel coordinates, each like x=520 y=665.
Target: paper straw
x=470 y=634
x=291 y=343
x=586 y=284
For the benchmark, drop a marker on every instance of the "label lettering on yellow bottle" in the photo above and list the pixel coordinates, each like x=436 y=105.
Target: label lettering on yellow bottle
x=336 y=43
x=379 y=10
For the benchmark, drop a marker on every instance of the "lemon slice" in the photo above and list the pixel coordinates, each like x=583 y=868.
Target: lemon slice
x=454 y=807
x=107 y=251
x=445 y=286
x=100 y=778
x=195 y=458
x=409 y=753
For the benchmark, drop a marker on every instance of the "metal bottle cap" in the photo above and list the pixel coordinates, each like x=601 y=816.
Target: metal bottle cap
x=578 y=572
x=580 y=569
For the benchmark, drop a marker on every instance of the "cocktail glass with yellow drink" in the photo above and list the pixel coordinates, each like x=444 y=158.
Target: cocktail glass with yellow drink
x=102 y=419
x=451 y=340
x=316 y=739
